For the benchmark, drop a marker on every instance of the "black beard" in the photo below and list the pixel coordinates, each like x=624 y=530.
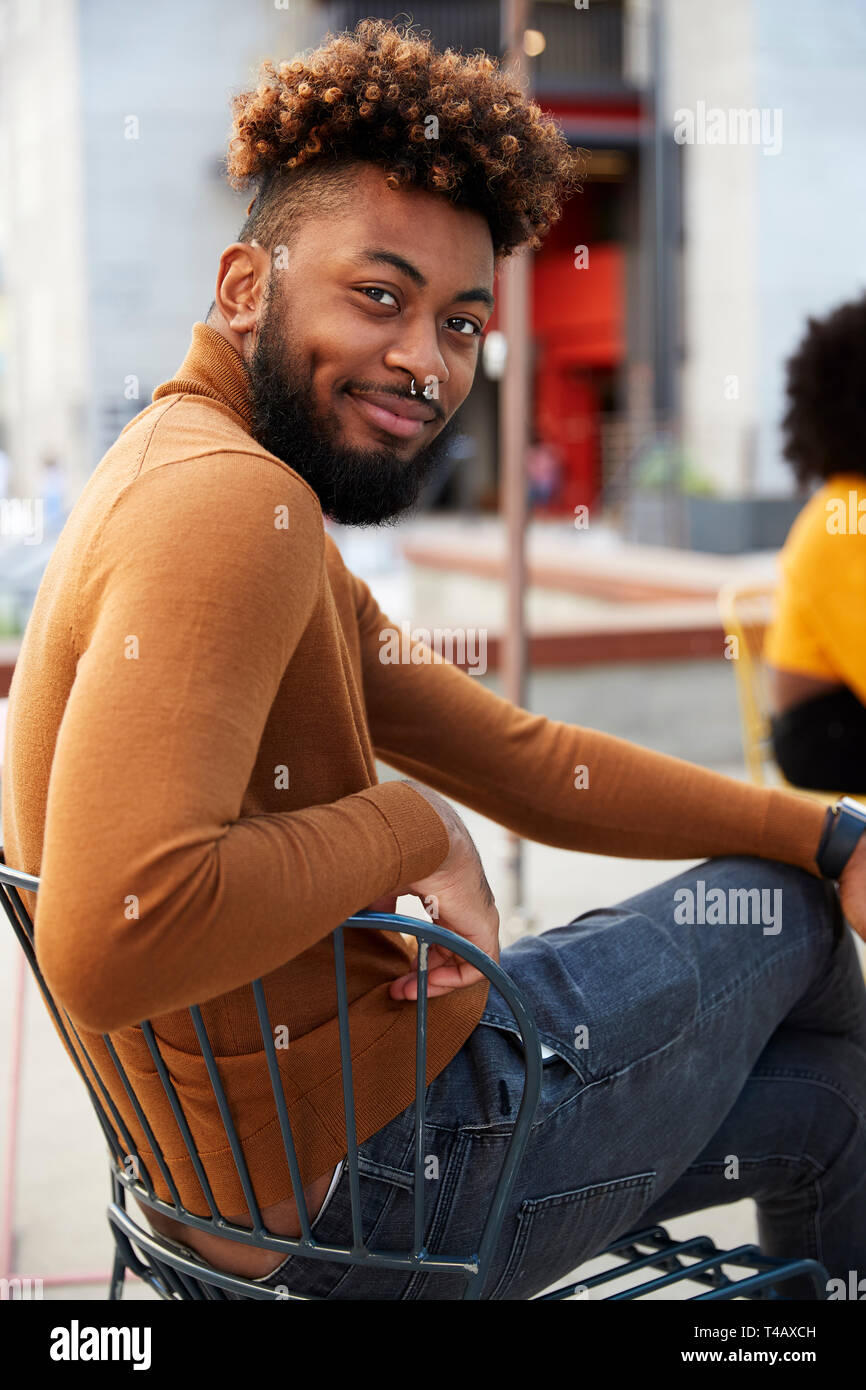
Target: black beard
x=356 y=487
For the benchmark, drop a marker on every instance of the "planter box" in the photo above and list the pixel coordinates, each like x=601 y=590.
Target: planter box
x=653 y=518
x=729 y=525
x=718 y=525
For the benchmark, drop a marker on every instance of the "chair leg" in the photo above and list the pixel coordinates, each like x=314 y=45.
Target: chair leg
x=118 y=1274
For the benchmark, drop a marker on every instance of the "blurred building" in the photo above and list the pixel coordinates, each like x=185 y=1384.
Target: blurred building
x=114 y=119
x=663 y=303
x=774 y=229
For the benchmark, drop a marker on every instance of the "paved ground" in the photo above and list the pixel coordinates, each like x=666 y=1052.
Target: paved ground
x=685 y=708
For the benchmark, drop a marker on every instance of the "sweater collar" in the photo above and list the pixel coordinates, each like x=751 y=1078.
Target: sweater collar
x=212 y=368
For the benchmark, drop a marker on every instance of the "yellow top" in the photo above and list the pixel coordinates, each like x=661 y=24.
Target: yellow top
x=819 y=627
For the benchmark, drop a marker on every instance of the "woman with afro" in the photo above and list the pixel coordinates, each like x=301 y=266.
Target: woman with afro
x=816 y=645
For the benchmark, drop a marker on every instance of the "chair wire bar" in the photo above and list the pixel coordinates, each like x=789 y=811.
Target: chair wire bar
x=255 y=1215
x=418 y=1181
x=25 y=938
x=180 y=1118
x=130 y=1150
x=665 y=1256
x=143 y=1121
x=348 y=1089
x=282 y=1109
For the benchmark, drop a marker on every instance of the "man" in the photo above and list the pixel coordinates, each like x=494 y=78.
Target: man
x=202 y=679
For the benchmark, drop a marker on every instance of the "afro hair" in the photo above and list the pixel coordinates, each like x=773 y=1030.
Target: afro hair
x=453 y=124
x=825 y=423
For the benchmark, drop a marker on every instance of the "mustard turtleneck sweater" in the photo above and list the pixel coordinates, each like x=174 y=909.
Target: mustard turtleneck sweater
x=189 y=767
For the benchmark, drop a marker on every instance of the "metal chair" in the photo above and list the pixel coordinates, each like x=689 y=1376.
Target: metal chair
x=174 y=1276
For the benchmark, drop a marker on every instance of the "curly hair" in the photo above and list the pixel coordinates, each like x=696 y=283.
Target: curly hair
x=379 y=94
x=825 y=423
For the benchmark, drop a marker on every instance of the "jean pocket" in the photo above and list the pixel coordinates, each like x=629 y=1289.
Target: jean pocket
x=555 y=1234
x=382 y=1189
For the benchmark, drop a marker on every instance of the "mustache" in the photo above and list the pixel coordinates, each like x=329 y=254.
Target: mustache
x=390 y=390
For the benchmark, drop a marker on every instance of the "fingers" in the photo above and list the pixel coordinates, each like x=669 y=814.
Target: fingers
x=407 y=991
x=442 y=979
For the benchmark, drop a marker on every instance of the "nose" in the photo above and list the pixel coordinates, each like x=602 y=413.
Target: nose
x=421 y=359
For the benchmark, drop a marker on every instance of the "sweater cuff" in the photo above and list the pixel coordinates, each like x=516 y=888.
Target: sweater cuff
x=421 y=834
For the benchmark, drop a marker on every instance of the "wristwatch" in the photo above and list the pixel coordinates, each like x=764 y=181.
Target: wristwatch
x=843 y=826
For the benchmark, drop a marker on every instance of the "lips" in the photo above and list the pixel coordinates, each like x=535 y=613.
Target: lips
x=394 y=414
x=397 y=405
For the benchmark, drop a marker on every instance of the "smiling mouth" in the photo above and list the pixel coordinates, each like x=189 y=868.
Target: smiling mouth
x=406 y=421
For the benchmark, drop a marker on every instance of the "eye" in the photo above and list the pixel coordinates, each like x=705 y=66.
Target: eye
x=476 y=330
x=377 y=289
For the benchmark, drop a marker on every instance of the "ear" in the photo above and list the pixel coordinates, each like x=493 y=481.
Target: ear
x=242 y=279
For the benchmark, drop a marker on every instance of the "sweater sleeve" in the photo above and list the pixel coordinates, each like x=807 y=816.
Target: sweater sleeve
x=558 y=783
x=155 y=892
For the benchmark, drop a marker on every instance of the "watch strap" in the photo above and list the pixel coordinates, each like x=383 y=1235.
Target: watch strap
x=844 y=824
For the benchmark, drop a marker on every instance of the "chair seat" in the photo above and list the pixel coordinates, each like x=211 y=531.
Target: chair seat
x=649 y=1262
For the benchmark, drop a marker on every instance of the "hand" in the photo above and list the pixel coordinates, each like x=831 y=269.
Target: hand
x=457 y=896
x=386 y=904
x=852 y=889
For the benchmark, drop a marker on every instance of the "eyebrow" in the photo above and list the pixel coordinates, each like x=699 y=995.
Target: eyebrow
x=412 y=273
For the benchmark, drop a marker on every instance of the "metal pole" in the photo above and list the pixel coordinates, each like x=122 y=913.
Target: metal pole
x=514 y=409
x=662 y=226
x=661 y=345
x=667 y=403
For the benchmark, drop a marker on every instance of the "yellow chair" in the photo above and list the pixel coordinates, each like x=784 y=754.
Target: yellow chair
x=745 y=611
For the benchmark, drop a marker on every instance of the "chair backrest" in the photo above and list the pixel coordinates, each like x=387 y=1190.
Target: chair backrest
x=746 y=611
x=134 y=1176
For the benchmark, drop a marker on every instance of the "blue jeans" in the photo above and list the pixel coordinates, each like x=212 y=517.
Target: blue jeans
x=697 y=1063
